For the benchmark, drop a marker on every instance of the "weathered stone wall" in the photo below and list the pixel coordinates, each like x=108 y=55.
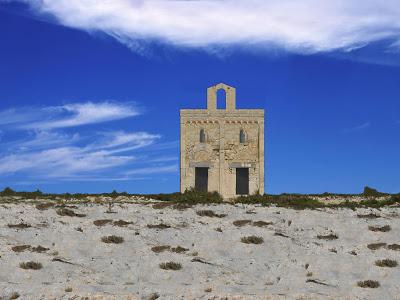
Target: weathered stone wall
x=222 y=152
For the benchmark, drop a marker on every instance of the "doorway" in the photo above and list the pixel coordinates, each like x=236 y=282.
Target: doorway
x=242 y=181
x=201 y=180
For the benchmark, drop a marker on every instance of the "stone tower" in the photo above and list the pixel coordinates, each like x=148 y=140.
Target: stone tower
x=222 y=149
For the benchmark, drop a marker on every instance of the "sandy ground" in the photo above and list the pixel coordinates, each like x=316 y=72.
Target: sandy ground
x=291 y=263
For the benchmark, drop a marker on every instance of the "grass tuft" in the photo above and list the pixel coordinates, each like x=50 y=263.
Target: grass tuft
x=252 y=239
x=390 y=263
x=262 y=223
x=19 y=226
x=395 y=247
x=20 y=248
x=368 y=284
x=112 y=239
x=102 y=222
x=179 y=249
x=69 y=213
x=121 y=223
x=385 y=228
x=240 y=223
x=30 y=265
x=159 y=249
x=328 y=237
x=158 y=226
x=170 y=266
x=376 y=246
x=209 y=213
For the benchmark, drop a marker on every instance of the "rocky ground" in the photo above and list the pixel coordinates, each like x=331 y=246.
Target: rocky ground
x=291 y=254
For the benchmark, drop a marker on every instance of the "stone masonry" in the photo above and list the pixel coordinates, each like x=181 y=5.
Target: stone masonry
x=222 y=149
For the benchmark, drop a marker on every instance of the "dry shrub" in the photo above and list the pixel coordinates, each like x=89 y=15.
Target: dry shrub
x=102 y=222
x=252 y=239
x=39 y=249
x=179 y=249
x=69 y=213
x=158 y=226
x=385 y=228
x=19 y=226
x=376 y=246
x=159 y=249
x=331 y=236
x=261 y=223
x=171 y=266
x=368 y=284
x=30 y=265
x=121 y=223
x=394 y=247
x=240 y=223
x=45 y=205
x=20 y=248
x=390 y=263
x=162 y=205
x=209 y=213
x=368 y=216
x=112 y=239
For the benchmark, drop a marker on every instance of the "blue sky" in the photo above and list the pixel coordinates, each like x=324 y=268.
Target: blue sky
x=90 y=94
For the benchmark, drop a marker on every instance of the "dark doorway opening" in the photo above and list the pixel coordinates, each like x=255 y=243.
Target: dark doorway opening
x=201 y=179
x=242 y=181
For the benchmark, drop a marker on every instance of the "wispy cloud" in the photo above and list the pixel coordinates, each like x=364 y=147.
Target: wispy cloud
x=359 y=127
x=53 y=149
x=300 y=26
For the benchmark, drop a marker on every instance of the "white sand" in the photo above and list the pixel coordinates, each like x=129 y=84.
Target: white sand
x=275 y=269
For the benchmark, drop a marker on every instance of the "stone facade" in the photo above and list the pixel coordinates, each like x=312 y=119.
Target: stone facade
x=222 y=149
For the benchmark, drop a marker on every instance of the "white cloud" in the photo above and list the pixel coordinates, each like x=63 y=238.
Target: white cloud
x=86 y=113
x=156 y=169
x=64 y=116
x=48 y=145
x=300 y=26
x=359 y=127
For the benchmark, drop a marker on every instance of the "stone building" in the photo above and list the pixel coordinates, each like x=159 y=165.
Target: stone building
x=222 y=149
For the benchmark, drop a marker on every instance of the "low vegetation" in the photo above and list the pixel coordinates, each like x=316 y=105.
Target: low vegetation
x=69 y=213
x=368 y=284
x=376 y=246
x=394 y=247
x=121 y=223
x=112 y=239
x=385 y=228
x=209 y=213
x=19 y=226
x=252 y=239
x=240 y=223
x=102 y=222
x=261 y=223
x=327 y=237
x=30 y=265
x=159 y=249
x=170 y=266
x=371 y=198
x=390 y=263
x=20 y=248
x=158 y=226
x=45 y=205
